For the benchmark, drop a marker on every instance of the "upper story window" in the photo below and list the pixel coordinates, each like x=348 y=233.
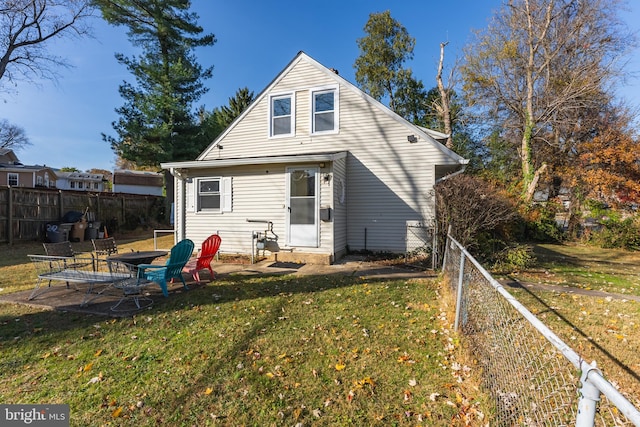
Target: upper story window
x=39 y=181
x=282 y=115
x=324 y=111
x=12 y=179
x=72 y=184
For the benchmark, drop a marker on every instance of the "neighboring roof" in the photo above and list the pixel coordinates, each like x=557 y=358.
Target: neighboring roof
x=426 y=134
x=8 y=156
x=144 y=178
x=9 y=162
x=84 y=176
x=294 y=158
x=24 y=168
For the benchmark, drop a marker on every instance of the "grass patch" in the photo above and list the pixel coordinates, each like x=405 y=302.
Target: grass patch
x=245 y=350
x=586 y=267
x=600 y=329
x=17 y=273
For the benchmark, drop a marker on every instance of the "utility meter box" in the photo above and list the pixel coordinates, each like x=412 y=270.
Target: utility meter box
x=325 y=214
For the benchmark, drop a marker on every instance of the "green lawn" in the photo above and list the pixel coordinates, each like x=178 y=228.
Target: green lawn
x=286 y=350
x=599 y=328
x=586 y=267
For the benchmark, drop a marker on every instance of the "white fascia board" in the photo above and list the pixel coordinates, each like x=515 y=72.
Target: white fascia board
x=220 y=163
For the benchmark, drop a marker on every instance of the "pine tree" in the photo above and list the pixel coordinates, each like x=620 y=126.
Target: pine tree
x=156 y=122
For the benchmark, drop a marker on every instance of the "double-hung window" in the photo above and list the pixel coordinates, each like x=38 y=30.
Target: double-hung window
x=213 y=194
x=12 y=179
x=324 y=110
x=282 y=115
x=209 y=194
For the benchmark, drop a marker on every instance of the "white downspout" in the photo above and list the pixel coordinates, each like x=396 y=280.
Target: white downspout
x=180 y=214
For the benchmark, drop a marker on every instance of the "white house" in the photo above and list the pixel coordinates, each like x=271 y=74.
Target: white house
x=80 y=181
x=317 y=166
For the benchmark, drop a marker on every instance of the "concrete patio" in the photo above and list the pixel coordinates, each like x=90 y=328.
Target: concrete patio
x=59 y=297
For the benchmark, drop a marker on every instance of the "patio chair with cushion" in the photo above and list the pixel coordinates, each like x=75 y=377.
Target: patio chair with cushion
x=203 y=261
x=161 y=274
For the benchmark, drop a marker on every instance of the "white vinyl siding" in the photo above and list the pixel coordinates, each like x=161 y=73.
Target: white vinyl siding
x=388 y=180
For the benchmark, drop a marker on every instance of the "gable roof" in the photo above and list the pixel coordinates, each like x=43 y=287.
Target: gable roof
x=9 y=162
x=8 y=156
x=427 y=134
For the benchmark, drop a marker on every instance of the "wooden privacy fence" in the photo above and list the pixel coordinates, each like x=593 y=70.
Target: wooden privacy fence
x=25 y=212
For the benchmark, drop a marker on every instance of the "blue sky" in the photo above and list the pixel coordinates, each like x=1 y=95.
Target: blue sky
x=256 y=40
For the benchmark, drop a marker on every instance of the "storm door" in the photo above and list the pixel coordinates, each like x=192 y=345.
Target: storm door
x=302 y=206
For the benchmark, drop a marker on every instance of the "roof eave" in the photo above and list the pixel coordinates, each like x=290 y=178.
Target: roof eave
x=264 y=160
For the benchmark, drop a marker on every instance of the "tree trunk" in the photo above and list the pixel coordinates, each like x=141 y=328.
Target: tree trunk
x=444 y=99
x=531 y=187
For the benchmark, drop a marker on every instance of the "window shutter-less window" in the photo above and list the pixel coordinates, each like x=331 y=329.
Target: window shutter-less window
x=227 y=198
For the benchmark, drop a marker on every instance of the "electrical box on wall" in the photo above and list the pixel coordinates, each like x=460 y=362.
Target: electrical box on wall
x=325 y=214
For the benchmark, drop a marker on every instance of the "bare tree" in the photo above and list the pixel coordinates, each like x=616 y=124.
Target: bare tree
x=12 y=137
x=538 y=65
x=444 y=106
x=25 y=28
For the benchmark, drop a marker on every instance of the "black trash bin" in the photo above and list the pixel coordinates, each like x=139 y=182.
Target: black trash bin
x=56 y=233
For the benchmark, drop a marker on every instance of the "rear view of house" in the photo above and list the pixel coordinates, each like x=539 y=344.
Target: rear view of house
x=312 y=169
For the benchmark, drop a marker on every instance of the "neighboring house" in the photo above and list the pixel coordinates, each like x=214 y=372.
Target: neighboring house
x=138 y=182
x=81 y=181
x=15 y=174
x=328 y=166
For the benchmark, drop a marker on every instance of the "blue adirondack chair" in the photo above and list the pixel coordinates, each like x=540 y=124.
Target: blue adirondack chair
x=161 y=274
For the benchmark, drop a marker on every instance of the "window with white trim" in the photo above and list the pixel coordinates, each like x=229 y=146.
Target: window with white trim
x=324 y=110
x=12 y=179
x=281 y=115
x=213 y=194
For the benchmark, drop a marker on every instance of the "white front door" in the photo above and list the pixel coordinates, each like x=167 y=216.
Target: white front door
x=302 y=206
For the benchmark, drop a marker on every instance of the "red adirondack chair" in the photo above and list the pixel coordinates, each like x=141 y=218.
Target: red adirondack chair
x=203 y=261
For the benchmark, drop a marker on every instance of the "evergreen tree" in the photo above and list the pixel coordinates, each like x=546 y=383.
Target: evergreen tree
x=156 y=122
x=237 y=104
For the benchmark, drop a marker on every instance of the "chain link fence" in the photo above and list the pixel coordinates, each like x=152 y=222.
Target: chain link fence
x=420 y=245
x=534 y=377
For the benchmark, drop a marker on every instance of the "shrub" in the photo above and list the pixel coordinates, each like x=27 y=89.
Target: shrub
x=540 y=224
x=616 y=233
x=480 y=214
x=514 y=258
